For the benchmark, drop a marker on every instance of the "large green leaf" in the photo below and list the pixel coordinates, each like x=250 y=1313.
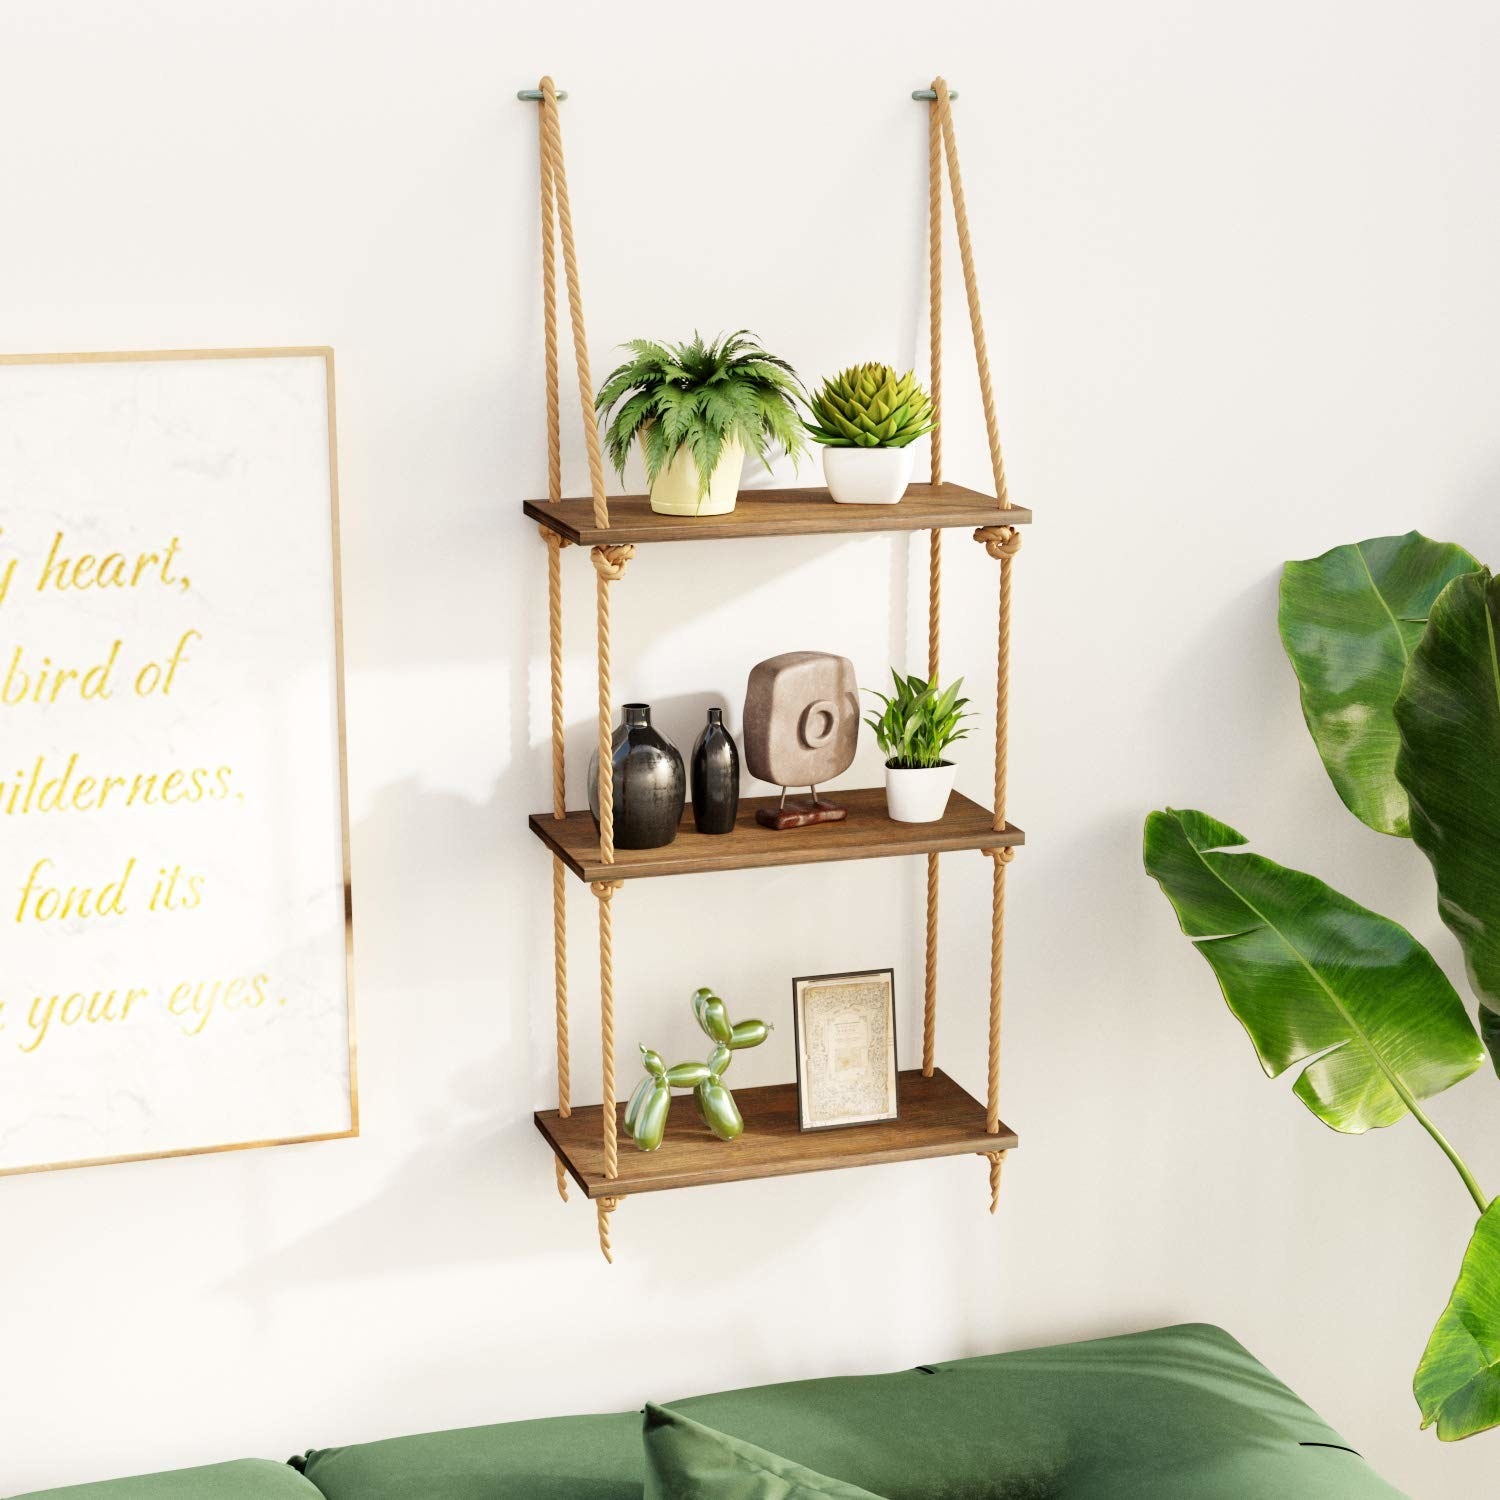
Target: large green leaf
x=1449 y=715
x=1350 y=620
x=1312 y=975
x=1457 y=1385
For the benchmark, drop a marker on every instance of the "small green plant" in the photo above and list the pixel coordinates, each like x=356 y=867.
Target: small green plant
x=870 y=406
x=918 y=724
x=700 y=396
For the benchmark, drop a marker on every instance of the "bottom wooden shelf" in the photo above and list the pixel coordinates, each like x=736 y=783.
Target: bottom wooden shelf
x=938 y=1118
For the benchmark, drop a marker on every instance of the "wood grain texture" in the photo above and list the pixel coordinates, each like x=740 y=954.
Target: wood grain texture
x=867 y=833
x=938 y=1118
x=781 y=512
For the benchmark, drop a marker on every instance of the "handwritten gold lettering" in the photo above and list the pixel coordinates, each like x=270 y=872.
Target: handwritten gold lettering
x=42 y=902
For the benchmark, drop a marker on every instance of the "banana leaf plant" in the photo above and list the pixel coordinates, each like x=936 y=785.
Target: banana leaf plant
x=1456 y=1384
x=1394 y=643
x=1350 y=621
x=1316 y=978
x=1449 y=765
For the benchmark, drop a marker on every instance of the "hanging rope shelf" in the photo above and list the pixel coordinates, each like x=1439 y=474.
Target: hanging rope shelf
x=938 y=1118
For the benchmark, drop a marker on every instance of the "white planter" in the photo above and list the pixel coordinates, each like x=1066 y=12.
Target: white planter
x=675 y=492
x=868 y=476
x=918 y=796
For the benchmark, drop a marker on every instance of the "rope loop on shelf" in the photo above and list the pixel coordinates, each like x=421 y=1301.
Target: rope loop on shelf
x=1001 y=542
x=609 y=561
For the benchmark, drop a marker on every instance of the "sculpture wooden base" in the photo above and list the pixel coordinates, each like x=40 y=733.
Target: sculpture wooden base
x=800 y=814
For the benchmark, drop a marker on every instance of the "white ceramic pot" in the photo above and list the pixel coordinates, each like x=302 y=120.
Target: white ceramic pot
x=868 y=476
x=675 y=492
x=918 y=796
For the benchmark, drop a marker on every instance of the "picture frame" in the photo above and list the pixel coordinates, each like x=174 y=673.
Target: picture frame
x=845 y=1030
x=250 y=976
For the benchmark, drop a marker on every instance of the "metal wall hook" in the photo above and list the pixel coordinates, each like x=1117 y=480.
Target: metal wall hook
x=924 y=96
x=534 y=96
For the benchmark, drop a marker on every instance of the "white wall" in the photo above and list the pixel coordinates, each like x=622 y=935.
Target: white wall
x=1240 y=276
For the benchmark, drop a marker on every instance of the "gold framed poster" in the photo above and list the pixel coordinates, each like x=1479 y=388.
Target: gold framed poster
x=846 y=1048
x=176 y=935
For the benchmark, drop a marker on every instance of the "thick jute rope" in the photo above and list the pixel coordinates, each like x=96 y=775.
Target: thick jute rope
x=609 y=563
x=929 y=1007
x=934 y=625
x=935 y=283
x=549 y=320
x=559 y=870
x=935 y=537
x=971 y=287
x=609 y=567
x=553 y=149
x=605 y=891
x=604 y=1207
x=1002 y=543
x=555 y=545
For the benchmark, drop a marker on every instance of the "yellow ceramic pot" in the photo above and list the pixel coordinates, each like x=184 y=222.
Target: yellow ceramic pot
x=675 y=492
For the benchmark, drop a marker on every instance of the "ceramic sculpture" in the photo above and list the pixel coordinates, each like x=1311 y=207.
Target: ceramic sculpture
x=800 y=727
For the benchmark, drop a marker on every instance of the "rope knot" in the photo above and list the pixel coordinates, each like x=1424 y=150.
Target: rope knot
x=553 y=538
x=1003 y=855
x=605 y=889
x=996 y=1160
x=609 y=562
x=999 y=541
x=605 y=1207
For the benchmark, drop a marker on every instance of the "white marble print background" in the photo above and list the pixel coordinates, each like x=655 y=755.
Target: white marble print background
x=231 y=457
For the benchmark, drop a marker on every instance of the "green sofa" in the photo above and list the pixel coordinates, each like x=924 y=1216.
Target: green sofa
x=1180 y=1413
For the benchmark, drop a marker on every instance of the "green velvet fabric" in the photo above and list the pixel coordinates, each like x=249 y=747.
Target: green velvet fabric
x=1179 y=1413
x=246 y=1479
x=686 y=1460
x=552 y=1458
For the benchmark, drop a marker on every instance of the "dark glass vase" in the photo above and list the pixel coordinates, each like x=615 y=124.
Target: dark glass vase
x=650 y=783
x=716 y=777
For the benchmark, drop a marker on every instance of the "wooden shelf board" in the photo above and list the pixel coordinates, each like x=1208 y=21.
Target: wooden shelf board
x=780 y=512
x=867 y=833
x=938 y=1118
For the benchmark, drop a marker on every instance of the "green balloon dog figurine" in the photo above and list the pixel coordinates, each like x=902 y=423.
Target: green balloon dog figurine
x=646 y=1114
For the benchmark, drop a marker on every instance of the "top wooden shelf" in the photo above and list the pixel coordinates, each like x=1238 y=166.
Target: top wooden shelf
x=791 y=512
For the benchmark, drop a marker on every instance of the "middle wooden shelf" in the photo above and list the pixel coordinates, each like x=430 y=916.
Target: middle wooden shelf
x=867 y=833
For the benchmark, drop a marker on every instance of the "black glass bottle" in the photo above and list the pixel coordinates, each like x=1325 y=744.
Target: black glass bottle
x=716 y=777
x=650 y=783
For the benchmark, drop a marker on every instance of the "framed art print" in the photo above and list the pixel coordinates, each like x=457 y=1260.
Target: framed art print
x=846 y=1048
x=175 y=908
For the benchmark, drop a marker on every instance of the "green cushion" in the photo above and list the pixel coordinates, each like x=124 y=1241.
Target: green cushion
x=685 y=1461
x=1175 y=1414
x=245 y=1479
x=552 y=1458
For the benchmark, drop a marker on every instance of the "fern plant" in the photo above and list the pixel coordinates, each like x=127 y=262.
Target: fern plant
x=700 y=396
x=918 y=723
